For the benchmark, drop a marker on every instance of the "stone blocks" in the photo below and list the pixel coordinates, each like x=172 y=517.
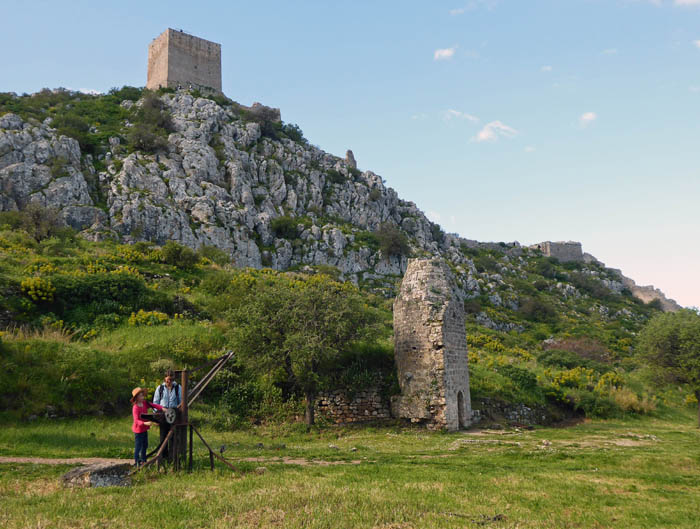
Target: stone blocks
x=177 y=59
x=430 y=347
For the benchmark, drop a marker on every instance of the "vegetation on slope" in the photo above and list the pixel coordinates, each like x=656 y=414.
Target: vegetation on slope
x=86 y=321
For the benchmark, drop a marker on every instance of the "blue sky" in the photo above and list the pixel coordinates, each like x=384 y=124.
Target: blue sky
x=502 y=119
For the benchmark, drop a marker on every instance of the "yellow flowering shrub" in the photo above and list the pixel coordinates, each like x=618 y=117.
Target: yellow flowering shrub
x=151 y=317
x=38 y=289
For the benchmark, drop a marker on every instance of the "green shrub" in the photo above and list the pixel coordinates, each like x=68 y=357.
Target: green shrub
x=392 y=241
x=533 y=309
x=130 y=93
x=335 y=177
x=472 y=306
x=294 y=133
x=176 y=254
x=79 y=299
x=367 y=238
x=214 y=254
x=285 y=227
x=485 y=263
x=523 y=378
x=569 y=360
x=437 y=233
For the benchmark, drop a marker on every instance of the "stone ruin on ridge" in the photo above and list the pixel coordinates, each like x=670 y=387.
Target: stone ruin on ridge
x=179 y=60
x=430 y=346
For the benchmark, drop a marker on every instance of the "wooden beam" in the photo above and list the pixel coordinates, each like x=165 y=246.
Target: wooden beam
x=212 y=453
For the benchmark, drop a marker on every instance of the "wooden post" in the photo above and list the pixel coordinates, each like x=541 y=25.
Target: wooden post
x=189 y=466
x=211 y=460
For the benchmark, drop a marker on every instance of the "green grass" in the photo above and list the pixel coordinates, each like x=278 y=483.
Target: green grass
x=638 y=473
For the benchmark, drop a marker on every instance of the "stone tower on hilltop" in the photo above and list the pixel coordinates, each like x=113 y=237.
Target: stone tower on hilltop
x=430 y=348
x=177 y=59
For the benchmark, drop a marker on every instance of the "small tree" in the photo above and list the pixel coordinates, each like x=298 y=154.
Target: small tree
x=392 y=241
x=301 y=326
x=671 y=342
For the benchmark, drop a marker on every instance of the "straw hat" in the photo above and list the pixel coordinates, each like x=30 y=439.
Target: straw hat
x=135 y=392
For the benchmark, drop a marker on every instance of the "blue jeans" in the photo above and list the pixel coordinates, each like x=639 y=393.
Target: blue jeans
x=141 y=446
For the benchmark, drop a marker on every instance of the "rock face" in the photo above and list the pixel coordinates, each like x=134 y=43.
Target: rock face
x=430 y=348
x=220 y=183
x=98 y=475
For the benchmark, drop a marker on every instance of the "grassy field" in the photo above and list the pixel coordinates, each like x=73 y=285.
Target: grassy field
x=637 y=473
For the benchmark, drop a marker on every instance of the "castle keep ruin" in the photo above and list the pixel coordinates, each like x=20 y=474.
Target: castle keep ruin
x=430 y=346
x=177 y=59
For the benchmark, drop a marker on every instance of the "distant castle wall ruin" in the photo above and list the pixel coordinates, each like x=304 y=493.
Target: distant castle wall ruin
x=177 y=59
x=564 y=251
x=430 y=345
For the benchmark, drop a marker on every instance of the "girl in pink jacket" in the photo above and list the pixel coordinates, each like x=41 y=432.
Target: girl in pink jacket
x=140 y=427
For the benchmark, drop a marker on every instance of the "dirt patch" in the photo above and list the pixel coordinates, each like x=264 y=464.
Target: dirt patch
x=93 y=460
x=63 y=461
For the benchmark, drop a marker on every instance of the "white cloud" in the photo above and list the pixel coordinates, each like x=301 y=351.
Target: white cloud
x=546 y=68
x=472 y=5
x=587 y=118
x=529 y=148
x=457 y=114
x=444 y=53
x=610 y=51
x=493 y=131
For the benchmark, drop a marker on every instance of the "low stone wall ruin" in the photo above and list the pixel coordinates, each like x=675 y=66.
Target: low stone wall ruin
x=363 y=406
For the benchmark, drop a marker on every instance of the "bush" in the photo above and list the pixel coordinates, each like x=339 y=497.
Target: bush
x=130 y=93
x=335 y=177
x=592 y=287
x=485 y=263
x=79 y=299
x=392 y=241
x=294 y=133
x=39 y=222
x=472 y=306
x=569 y=360
x=535 y=310
x=176 y=254
x=152 y=317
x=523 y=378
x=437 y=233
x=143 y=137
x=367 y=238
x=285 y=227
x=214 y=254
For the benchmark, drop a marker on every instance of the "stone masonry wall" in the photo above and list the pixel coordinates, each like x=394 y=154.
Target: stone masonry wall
x=564 y=251
x=365 y=405
x=177 y=59
x=431 y=348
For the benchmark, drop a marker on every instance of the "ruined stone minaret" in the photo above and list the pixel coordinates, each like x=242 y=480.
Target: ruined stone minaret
x=430 y=346
x=177 y=59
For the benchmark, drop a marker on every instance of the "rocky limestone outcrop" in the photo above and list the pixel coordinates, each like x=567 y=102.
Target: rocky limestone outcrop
x=37 y=166
x=220 y=183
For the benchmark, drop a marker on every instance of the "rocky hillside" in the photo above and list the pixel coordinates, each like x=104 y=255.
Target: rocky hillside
x=144 y=167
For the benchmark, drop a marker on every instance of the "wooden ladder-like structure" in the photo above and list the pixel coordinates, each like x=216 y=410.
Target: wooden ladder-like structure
x=181 y=448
